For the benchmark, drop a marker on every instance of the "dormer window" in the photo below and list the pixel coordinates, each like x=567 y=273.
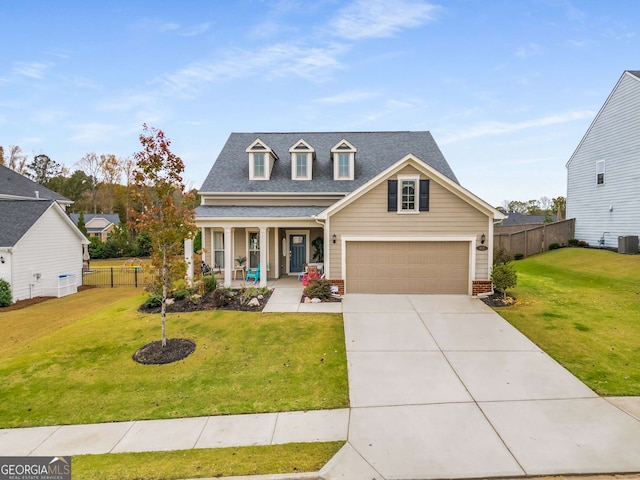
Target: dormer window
x=301 y=160
x=344 y=155
x=261 y=160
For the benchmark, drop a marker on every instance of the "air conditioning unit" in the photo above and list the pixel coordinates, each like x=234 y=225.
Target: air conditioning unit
x=628 y=244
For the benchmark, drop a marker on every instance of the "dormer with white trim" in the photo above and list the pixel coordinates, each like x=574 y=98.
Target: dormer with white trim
x=343 y=155
x=261 y=160
x=302 y=156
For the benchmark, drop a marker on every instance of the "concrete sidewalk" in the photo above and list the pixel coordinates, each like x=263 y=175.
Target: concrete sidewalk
x=177 y=434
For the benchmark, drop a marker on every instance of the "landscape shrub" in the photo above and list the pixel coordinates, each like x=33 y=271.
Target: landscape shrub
x=181 y=294
x=554 y=246
x=500 y=256
x=220 y=297
x=504 y=277
x=582 y=243
x=318 y=288
x=5 y=293
x=248 y=293
x=210 y=283
x=573 y=242
x=153 y=301
x=518 y=256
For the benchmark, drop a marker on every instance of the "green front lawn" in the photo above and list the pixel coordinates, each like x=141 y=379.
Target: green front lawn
x=582 y=307
x=81 y=371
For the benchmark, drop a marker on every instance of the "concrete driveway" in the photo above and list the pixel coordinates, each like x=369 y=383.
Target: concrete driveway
x=443 y=387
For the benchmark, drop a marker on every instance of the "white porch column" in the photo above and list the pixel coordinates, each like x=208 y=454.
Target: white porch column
x=228 y=256
x=276 y=248
x=188 y=258
x=263 y=256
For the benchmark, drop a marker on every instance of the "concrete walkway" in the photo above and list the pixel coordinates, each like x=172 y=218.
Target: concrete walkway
x=443 y=387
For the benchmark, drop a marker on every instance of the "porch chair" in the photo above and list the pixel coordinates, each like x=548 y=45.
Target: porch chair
x=206 y=269
x=253 y=273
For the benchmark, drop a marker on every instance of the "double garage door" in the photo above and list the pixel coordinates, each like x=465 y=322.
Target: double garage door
x=407 y=267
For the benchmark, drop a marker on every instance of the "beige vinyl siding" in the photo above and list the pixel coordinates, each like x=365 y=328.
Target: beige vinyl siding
x=613 y=137
x=448 y=215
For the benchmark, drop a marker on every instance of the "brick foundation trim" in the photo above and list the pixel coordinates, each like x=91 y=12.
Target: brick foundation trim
x=481 y=286
x=338 y=283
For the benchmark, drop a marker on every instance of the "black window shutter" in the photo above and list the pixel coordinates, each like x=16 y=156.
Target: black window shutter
x=392 y=196
x=424 y=196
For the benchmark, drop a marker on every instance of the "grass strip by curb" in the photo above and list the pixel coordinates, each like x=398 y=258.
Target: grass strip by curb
x=205 y=463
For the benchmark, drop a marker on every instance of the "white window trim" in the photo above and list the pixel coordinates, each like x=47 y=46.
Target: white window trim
x=416 y=202
x=252 y=166
x=258 y=146
x=214 y=250
x=336 y=151
x=604 y=171
x=310 y=152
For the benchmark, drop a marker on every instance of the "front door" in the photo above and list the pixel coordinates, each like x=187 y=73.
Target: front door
x=297 y=252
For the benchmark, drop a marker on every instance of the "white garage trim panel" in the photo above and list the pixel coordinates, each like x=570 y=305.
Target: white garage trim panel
x=417 y=265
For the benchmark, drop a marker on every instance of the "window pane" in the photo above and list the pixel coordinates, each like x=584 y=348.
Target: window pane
x=301 y=164
x=408 y=195
x=343 y=165
x=600 y=172
x=219 y=259
x=254 y=249
x=218 y=240
x=258 y=164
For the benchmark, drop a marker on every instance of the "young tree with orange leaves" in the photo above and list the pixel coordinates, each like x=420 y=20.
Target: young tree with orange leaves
x=163 y=208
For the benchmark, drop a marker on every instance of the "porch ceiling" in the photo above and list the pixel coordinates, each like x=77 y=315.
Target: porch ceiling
x=263 y=212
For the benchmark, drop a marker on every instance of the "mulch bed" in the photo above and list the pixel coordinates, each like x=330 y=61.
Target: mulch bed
x=155 y=354
x=498 y=300
x=206 y=303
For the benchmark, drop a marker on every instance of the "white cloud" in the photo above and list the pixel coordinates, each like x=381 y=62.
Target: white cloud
x=35 y=70
x=93 y=132
x=195 y=30
x=271 y=61
x=529 y=50
x=351 y=96
x=381 y=18
x=502 y=128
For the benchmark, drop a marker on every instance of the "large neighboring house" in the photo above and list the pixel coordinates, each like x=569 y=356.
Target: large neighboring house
x=41 y=250
x=603 y=181
x=387 y=207
x=99 y=225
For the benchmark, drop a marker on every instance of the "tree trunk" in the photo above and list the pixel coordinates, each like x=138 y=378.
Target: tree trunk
x=163 y=309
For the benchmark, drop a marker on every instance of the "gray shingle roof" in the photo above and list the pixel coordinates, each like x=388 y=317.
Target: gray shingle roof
x=376 y=151
x=634 y=72
x=111 y=217
x=227 y=211
x=12 y=183
x=18 y=216
x=515 y=218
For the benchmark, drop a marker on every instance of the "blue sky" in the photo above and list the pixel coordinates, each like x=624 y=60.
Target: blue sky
x=507 y=88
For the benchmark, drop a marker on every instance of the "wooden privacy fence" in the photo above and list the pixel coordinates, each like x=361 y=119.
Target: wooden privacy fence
x=117 y=277
x=531 y=239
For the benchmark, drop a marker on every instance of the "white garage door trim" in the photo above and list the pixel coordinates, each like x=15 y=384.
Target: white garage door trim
x=452 y=238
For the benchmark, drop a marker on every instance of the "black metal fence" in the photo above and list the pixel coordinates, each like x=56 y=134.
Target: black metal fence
x=117 y=277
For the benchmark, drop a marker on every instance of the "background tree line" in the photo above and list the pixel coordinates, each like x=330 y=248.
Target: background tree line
x=97 y=183
x=543 y=206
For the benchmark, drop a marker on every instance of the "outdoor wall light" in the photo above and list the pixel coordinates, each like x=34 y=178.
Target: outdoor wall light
x=334 y=238
x=483 y=238
x=1 y=259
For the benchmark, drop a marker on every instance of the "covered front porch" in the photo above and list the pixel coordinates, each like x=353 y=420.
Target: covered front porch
x=278 y=250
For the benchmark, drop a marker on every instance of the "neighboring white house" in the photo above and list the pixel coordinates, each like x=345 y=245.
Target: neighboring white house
x=603 y=174
x=41 y=250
